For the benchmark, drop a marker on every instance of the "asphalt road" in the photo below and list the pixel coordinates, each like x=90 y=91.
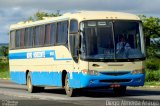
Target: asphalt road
x=17 y=95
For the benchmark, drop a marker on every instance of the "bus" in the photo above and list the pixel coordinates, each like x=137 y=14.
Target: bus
x=84 y=49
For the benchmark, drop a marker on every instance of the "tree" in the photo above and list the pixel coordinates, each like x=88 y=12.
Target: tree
x=151 y=26
x=4 y=51
x=40 y=14
x=30 y=18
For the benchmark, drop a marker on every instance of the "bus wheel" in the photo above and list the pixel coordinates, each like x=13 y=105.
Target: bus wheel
x=120 y=91
x=40 y=89
x=30 y=87
x=69 y=91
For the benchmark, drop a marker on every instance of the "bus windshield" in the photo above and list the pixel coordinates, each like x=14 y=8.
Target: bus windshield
x=112 y=40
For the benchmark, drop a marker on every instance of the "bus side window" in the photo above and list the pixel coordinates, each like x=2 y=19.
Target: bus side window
x=28 y=42
x=74 y=39
x=17 y=39
x=73 y=26
x=62 y=34
x=22 y=38
x=12 y=39
x=74 y=46
x=36 y=36
x=26 y=37
x=53 y=34
x=42 y=35
x=47 y=34
x=50 y=34
x=39 y=36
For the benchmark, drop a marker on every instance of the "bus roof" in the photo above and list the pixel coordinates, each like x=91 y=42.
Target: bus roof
x=80 y=16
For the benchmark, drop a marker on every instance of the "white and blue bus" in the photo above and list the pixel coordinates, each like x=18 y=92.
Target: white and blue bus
x=85 y=49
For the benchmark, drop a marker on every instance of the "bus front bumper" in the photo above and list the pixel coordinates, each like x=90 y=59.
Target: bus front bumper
x=80 y=80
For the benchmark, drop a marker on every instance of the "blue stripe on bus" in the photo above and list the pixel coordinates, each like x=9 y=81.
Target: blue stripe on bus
x=30 y=55
x=80 y=80
x=18 y=77
x=38 y=78
x=46 y=78
x=76 y=80
x=21 y=55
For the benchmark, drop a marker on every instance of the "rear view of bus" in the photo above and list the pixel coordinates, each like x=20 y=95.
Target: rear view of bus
x=98 y=49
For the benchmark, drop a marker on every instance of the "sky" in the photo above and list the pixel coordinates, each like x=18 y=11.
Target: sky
x=13 y=11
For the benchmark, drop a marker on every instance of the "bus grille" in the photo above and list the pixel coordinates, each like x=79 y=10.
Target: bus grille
x=116 y=80
x=115 y=73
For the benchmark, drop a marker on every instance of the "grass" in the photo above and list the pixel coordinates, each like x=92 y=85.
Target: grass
x=4 y=73
x=152 y=83
x=4 y=70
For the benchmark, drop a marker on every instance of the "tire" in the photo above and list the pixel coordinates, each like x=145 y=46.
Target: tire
x=120 y=91
x=69 y=91
x=39 y=89
x=30 y=87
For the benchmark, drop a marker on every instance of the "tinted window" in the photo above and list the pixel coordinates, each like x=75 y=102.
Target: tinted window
x=119 y=40
x=28 y=37
x=73 y=26
x=36 y=38
x=22 y=38
x=50 y=38
x=48 y=34
x=62 y=32
x=53 y=34
x=42 y=35
x=18 y=33
x=39 y=36
x=12 y=40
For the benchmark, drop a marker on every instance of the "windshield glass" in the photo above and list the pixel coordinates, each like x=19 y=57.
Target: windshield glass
x=112 y=40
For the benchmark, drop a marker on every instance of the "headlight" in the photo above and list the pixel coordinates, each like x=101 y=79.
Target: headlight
x=90 y=72
x=138 y=71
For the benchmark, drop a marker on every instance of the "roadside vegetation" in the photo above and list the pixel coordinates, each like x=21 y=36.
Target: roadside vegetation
x=151 y=27
x=4 y=69
x=152 y=70
x=4 y=65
